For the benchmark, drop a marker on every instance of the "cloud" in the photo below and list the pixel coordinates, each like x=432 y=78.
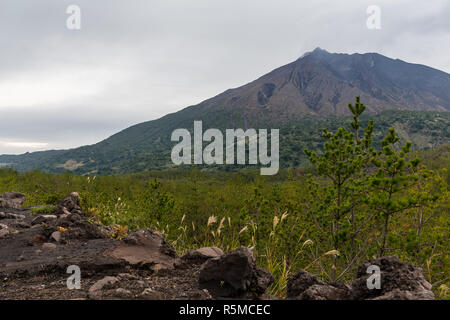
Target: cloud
x=54 y=87
x=12 y=147
x=32 y=145
x=137 y=61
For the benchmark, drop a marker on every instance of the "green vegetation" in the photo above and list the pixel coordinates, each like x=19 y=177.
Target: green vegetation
x=47 y=209
x=359 y=199
x=147 y=146
x=425 y=130
x=366 y=189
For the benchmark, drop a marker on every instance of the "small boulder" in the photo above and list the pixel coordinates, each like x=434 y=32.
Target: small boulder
x=66 y=220
x=69 y=204
x=325 y=292
x=49 y=246
x=399 y=281
x=13 y=216
x=149 y=294
x=96 y=290
x=145 y=248
x=203 y=254
x=304 y=286
x=123 y=293
x=56 y=236
x=46 y=218
x=12 y=200
x=83 y=230
x=299 y=282
x=234 y=275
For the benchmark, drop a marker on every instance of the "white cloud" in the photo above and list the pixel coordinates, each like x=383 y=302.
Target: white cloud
x=55 y=87
x=15 y=146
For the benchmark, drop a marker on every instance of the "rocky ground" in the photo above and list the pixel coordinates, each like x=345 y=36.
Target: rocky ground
x=37 y=249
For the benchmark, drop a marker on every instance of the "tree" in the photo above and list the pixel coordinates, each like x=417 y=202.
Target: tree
x=342 y=163
x=357 y=110
x=395 y=175
x=364 y=189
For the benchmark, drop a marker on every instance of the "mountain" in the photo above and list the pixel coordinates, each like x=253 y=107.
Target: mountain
x=321 y=84
x=299 y=98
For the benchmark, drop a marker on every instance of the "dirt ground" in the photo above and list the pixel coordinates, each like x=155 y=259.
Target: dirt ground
x=34 y=266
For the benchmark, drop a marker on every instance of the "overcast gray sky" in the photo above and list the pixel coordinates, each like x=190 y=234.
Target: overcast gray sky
x=134 y=61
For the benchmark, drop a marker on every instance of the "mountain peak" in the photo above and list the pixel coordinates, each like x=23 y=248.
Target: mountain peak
x=319 y=49
x=316 y=51
x=321 y=83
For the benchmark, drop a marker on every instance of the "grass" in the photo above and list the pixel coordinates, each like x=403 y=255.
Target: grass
x=268 y=214
x=46 y=209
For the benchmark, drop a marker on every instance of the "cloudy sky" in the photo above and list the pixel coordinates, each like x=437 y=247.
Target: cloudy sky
x=134 y=61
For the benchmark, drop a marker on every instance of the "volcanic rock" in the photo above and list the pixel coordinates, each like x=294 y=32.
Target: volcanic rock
x=13 y=200
x=399 y=281
x=146 y=248
x=234 y=275
x=69 y=204
x=203 y=254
